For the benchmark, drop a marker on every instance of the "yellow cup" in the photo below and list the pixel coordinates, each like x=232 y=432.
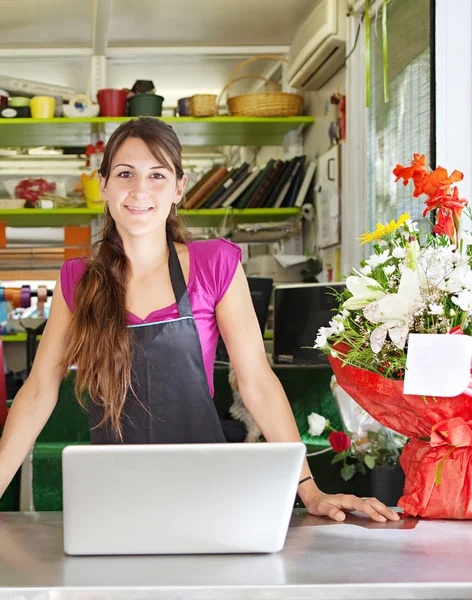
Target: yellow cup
x=93 y=198
x=42 y=107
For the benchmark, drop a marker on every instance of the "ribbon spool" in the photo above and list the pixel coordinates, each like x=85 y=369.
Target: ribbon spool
x=42 y=297
x=16 y=297
x=80 y=105
x=25 y=296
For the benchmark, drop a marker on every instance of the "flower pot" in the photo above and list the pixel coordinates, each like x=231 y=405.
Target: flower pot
x=386 y=484
x=42 y=107
x=93 y=198
x=112 y=102
x=149 y=105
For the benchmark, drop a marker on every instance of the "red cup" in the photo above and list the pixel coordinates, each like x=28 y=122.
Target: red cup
x=112 y=102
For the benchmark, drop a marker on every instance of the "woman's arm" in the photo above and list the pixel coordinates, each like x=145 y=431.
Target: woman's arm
x=264 y=397
x=37 y=398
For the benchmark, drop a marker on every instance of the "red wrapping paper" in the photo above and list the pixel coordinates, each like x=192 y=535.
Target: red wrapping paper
x=446 y=422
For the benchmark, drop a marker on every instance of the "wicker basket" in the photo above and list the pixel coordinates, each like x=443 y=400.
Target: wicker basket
x=203 y=105
x=262 y=104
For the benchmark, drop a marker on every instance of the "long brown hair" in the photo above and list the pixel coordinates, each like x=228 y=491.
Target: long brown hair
x=99 y=345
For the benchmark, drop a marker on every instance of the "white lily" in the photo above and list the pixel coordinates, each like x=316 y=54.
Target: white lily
x=364 y=290
x=393 y=311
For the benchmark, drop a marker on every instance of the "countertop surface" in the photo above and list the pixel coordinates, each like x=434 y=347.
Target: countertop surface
x=357 y=559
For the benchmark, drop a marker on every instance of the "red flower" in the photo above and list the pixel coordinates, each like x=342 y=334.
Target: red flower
x=426 y=182
x=417 y=170
x=443 y=199
x=445 y=224
x=436 y=181
x=339 y=441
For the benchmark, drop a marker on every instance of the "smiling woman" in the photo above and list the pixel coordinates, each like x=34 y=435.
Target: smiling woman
x=141 y=180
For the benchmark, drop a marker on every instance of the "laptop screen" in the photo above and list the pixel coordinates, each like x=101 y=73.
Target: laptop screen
x=299 y=311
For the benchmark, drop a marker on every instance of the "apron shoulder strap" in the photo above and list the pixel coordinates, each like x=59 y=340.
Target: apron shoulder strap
x=178 y=281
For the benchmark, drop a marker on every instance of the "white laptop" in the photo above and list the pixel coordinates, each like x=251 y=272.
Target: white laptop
x=179 y=499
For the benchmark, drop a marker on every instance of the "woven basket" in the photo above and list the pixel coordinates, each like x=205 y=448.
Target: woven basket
x=203 y=105
x=262 y=104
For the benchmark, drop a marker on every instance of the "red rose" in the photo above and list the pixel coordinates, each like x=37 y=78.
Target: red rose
x=339 y=441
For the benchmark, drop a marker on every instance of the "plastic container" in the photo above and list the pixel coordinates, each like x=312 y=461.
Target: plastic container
x=93 y=198
x=149 y=105
x=19 y=101
x=10 y=112
x=42 y=107
x=112 y=102
x=183 y=107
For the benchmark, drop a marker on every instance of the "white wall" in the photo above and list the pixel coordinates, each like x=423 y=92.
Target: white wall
x=317 y=139
x=454 y=91
x=173 y=77
x=71 y=72
x=317 y=142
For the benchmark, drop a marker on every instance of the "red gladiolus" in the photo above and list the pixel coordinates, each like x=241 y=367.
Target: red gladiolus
x=426 y=182
x=445 y=224
x=339 y=441
x=436 y=181
x=417 y=170
x=443 y=199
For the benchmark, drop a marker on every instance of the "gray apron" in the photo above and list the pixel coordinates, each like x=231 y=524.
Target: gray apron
x=169 y=378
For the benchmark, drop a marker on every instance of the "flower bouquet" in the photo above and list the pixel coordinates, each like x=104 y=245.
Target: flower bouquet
x=413 y=283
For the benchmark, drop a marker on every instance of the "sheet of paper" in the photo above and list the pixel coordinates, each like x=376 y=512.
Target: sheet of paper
x=437 y=365
x=289 y=260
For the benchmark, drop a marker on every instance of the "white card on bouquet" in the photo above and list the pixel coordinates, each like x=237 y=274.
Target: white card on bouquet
x=437 y=364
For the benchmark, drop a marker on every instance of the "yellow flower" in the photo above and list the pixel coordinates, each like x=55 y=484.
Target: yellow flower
x=383 y=230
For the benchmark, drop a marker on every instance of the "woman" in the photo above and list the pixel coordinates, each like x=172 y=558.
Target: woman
x=140 y=321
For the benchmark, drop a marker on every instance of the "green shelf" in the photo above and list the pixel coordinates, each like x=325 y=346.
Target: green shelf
x=192 y=131
x=16 y=337
x=41 y=217
x=60 y=217
x=217 y=217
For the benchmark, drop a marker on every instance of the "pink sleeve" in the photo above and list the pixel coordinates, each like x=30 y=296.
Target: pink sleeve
x=217 y=263
x=71 y=271
x=227 y=261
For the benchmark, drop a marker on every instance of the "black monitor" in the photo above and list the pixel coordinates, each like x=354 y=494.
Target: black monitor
x=299 y=311
x=261 y=291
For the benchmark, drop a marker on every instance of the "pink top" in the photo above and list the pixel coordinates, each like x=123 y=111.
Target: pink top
x=213 y=264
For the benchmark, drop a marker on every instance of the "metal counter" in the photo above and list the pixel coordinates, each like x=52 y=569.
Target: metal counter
x=358 y=559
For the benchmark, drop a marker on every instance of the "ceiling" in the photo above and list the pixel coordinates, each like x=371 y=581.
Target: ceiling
x=184 y=46
x=70 y=23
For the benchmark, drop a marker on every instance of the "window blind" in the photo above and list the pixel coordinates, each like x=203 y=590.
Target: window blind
x=401 y=127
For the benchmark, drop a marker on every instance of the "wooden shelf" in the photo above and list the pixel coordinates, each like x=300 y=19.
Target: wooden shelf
x=60 y=217
x=192 y=131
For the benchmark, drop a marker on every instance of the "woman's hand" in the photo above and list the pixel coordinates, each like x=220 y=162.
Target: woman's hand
x=335 y=506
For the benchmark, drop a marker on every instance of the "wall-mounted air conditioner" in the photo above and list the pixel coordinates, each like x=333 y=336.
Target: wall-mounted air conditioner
x=318 y=50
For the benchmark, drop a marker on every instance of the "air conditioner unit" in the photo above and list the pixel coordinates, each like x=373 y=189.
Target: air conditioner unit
x=318 y=50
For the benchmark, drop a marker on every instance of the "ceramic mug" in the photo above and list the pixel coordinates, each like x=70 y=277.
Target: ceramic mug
x=42 y=107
